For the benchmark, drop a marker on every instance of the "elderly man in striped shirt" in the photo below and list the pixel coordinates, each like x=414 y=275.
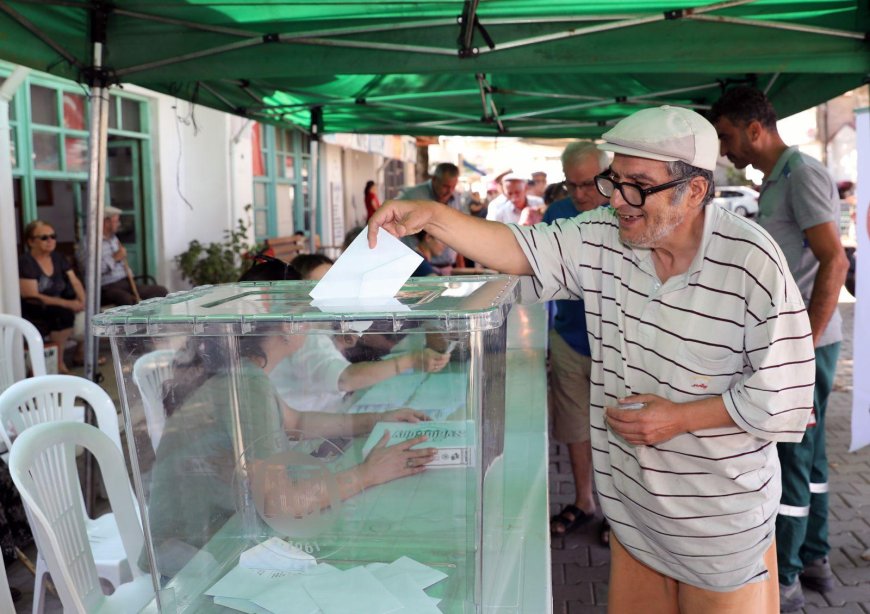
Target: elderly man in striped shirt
x=702 y=359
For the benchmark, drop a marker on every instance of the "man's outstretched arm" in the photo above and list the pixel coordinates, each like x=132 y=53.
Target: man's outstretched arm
x=490 y=243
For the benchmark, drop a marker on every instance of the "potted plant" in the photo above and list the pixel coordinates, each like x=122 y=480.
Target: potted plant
x=217 y=262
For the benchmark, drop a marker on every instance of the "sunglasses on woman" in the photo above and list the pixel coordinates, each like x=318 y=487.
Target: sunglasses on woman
x=51 y=237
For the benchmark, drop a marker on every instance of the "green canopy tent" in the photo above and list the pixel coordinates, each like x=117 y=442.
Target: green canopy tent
x=473 y=67
x=520 y=67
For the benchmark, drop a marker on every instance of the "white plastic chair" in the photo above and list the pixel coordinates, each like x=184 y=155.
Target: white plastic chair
x=12 y=370
x=43 y=467
x=149 y=372
x=6 y=604
x=54 y=398
x=12 y=328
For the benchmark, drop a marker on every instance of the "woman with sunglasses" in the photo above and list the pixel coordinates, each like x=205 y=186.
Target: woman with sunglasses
x=51 y=294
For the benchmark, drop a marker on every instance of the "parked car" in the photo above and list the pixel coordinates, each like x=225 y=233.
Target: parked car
x=741 y=200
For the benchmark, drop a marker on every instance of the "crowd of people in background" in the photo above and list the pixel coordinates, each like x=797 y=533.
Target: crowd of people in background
x=510 y=198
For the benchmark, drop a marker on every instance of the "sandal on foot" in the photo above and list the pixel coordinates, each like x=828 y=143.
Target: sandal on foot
x=604 y=533
x=568 y=519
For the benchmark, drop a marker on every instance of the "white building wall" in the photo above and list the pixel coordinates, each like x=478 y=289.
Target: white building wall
x=241 y=171
x=192 y=174
x=332 y=199
x=202 y=171
x=359 y=168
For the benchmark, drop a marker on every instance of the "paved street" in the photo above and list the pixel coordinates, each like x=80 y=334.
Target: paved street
x=581 y=566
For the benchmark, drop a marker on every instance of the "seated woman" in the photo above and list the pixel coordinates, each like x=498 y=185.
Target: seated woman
x=224 y=420
x=51 y=294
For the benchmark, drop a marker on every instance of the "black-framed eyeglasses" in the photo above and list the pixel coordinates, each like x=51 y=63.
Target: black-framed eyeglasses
x=570 y=186
x=52 y=237
x=633 y=194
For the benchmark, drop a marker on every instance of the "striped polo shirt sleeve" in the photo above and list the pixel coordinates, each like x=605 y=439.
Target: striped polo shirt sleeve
x=774 y=398
x=553 y=252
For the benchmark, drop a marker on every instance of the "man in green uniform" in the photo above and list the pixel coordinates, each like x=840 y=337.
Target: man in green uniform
x=800 y=208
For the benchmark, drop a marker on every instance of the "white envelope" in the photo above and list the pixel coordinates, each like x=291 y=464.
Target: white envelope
x=371 y=274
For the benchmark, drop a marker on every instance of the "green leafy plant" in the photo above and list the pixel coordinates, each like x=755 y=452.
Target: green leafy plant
x=217 y=262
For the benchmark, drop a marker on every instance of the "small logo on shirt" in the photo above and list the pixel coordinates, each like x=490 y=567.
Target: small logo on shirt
x=700 y=383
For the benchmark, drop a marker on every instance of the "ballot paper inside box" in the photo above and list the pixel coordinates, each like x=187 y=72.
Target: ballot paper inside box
x=221 y=471
x=453 y=440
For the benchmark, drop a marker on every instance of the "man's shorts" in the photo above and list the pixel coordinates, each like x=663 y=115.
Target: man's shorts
x=569 y=391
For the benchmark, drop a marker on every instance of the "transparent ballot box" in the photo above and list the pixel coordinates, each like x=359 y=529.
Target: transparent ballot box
x=274 y=446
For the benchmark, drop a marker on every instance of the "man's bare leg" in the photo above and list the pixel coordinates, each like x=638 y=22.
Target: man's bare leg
x=580 y=454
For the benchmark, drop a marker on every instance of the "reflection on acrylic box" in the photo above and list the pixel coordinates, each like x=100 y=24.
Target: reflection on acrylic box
x=453 y=440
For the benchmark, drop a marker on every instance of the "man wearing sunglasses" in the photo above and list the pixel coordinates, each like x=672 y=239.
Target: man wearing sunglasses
x=702 y=359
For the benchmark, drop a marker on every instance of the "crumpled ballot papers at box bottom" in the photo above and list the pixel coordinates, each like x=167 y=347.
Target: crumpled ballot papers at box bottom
x=267 y=580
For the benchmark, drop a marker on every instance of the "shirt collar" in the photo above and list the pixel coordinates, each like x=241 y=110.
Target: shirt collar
x=781 y=163
x=643 y=255
x=712 y=215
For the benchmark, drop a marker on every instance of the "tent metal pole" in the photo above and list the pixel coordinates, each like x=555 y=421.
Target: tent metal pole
x=495 y=115
x=679 y=90
x=190 y=24
x=302 y=38
x=570 y=107
x=574 y=32
x=123 y=72
x=770 y=83
x=484 y=88
x=247 y=90
x=508 y=92
x=467 y=25
x=232 y=107
x=615 y=25
x=96 y=200
x=793 y=27
x=10 y=291
x=602 y=101
x=314 y=194
x=415 y=95
x=94 y=234
x=435 y=112
x=528 y=128
x=28 y=25
x=314 y=182
x=386 y=27
x=330 y=42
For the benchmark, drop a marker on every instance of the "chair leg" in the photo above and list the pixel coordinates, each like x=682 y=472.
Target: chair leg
x=39 y=585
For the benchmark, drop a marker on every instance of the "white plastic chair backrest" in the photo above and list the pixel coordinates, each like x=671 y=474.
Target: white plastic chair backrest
x=6 y=604
x=51 y=398
x=149 y=372
x=11 y=369
x=56 y=513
